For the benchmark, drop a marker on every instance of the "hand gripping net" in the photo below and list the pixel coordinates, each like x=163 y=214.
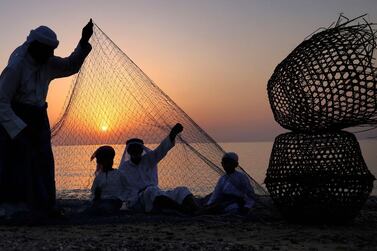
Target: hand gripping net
x=112 y=100
x=328 y=81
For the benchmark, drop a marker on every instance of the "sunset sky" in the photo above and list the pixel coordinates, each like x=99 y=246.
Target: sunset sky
x=213 y=58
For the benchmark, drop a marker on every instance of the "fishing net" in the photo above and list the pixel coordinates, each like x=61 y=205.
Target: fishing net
x=319 y=176
x=113 y=100
x=329 y=81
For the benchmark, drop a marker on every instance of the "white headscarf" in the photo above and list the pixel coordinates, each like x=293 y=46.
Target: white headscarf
x=126 y=156
x=42 y=34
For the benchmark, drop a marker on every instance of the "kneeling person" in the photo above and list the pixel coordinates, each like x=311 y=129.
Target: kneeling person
x=139 y=166
x=233 y=192
x=108 y=185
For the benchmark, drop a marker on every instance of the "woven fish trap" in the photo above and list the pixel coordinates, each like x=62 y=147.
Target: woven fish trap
x=329 y=81
x=318 y=177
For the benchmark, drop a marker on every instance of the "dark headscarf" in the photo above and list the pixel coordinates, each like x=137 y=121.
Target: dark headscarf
x=105 y=156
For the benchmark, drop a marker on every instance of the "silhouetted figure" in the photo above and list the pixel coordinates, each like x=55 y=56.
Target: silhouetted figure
x=233 y=192
x=139 y=164
x=109 y=184
x=26 y=160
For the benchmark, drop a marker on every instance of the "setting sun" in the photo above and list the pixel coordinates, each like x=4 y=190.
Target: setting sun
x=104 y=127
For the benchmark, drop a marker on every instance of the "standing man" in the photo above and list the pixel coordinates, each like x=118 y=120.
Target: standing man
x=27 y=177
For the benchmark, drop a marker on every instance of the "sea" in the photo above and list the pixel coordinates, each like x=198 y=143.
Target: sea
x=254 y=158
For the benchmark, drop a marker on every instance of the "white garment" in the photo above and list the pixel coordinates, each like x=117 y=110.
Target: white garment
x=146 y=198
x=142 y=179
x=111 y=184
x=42 y=34
x=236 y=184
x=25 y=81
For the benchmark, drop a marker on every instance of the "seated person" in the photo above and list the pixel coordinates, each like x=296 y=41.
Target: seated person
x=139 y=166
x=108 y=185
x=233 y=192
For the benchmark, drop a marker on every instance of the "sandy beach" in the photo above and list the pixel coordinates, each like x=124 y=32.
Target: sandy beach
x=264 y=230
x=193 y=106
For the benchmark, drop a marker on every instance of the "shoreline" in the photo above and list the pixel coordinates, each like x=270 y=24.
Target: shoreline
x=265 y=231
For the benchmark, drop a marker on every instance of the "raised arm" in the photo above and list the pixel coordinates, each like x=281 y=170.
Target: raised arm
x=63 y=67
x=168 y=143
x=9 y=82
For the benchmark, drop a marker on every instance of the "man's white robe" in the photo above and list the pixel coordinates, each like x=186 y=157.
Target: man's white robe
x=236 y=184
x=25 y=81
x=142 y=180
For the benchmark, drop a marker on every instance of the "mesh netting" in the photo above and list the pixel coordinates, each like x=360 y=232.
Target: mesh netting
x=328 y=81
x=318 y=176
x=113 y=100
